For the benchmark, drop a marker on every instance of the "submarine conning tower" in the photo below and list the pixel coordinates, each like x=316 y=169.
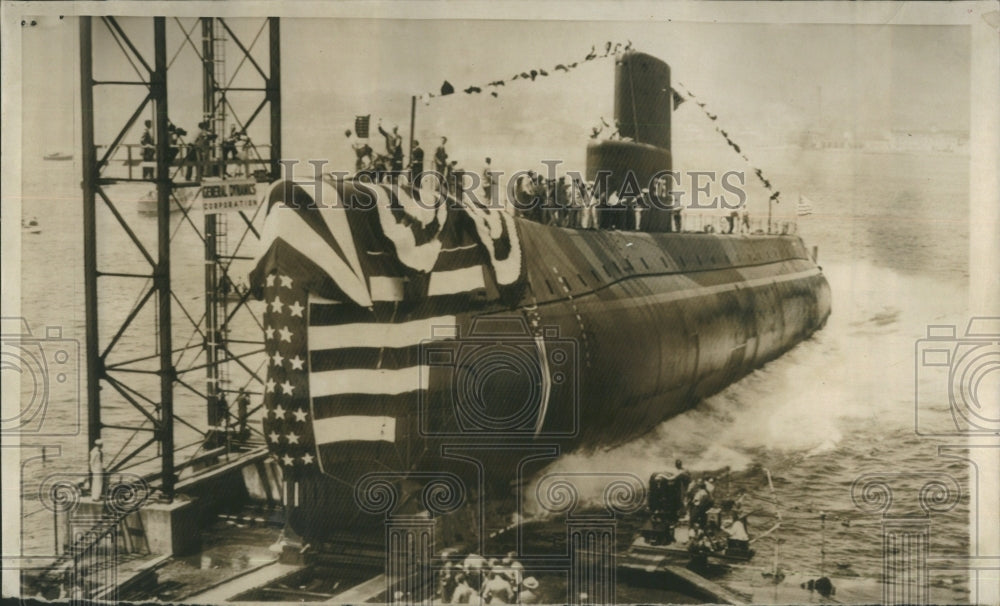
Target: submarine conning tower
x=643 y=104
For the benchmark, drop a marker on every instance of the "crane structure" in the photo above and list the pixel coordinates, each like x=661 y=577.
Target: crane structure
x=145 y=379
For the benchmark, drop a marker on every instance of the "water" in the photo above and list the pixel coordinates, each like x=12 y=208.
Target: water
x=892 y=232
x=893 y=244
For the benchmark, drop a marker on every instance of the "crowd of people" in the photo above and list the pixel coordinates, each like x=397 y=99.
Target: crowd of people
x=561 y=201
x=473 y=579
x=198 y=158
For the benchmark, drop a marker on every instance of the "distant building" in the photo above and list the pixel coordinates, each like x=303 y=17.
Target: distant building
x=949 y=141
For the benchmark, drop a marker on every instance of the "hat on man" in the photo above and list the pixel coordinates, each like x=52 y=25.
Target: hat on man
x=531 y=583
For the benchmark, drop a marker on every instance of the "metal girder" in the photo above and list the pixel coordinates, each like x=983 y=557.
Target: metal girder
x=155 y=407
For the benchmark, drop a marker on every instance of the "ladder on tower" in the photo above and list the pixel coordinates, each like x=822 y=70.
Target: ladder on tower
x=219 y=75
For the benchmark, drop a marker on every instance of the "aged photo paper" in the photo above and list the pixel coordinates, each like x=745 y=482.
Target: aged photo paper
x=507 y=302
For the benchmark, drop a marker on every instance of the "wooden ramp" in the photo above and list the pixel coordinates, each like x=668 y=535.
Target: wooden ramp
x=657 y=565
x=248 y=580
x=715 y=592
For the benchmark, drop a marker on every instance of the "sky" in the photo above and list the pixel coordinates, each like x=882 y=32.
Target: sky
x=767 y=83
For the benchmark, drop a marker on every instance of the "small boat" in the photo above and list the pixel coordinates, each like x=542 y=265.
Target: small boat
x=58 y=157
x=31 y=226
x=236 y=291
x=182 y=200
x=697 y=526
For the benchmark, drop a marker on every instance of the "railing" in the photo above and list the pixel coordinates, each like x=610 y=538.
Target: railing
x=130 y=157
x=702 y=222
x=713 y=223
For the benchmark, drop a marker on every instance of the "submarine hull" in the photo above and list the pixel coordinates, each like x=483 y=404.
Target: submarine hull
x=427 y=346
x=611 y=333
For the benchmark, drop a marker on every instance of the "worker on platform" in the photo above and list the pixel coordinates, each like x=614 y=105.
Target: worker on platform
x=148 y=149
x=683 y=476
x=97 y=470
x=177 y=135
x=200 y=152
x=230 y=147
x=701 y=502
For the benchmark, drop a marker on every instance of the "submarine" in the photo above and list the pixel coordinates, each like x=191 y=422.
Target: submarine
x=412 y=335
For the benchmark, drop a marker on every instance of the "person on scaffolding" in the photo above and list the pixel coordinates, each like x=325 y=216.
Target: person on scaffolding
x=230 y=147
x=148 y=150
x=200 y=151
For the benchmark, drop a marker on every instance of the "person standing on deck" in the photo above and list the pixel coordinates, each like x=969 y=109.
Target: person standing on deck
x=701 y=502
x=362 y=151
x=488 y=181
x=416 y=163
x=393 y=147
x=441 y=158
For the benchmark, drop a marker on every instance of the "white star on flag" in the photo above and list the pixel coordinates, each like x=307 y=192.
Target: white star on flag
x=300 y=415
x=277 y=358
x=269 y=332
x=277 y=305
x=270 y=279
x=286 y=335
x=287 y=388
x=269 y=386
x=297 y=363
x=274 y=436
x=307 y=458
x=296 y=309
x=279 y=412
x=293 y=438
x=289 y=461
x=286 y=281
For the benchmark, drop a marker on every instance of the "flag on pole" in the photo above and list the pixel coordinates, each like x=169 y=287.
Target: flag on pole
x=804 y=207
x=361 y=124
x=678 y=98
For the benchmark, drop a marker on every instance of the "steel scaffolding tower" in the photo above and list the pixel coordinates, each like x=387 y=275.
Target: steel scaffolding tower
x=166 y=369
